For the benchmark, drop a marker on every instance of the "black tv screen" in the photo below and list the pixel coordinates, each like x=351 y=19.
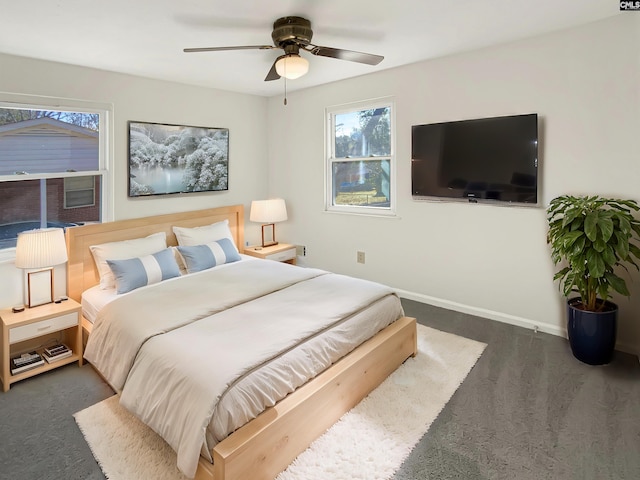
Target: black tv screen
x=488 y=159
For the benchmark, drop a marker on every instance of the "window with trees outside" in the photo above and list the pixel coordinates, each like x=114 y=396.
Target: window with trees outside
x=361 y=158
x=52 y=168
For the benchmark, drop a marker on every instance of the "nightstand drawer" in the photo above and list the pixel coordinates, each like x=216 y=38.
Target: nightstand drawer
x=36 y=329
x=282 y=256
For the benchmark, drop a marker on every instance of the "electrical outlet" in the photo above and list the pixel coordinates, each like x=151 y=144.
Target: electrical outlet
x=360 y=257
x=301 y=250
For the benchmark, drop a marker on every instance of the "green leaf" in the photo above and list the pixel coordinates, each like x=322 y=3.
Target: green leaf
x=633 y=249
x=617 y=283
x=555 y=224
x=595 y=263
x=577 y=223
x=603 y=290
x=570 y=238
x=609 y=256
x=578 y=246
x=599 y=245
x=561 y=273
x=569 y=216
x=605 y=224
x=590 y=226
x=568 y=284
x=632 y=204
x=632 y=262
x=622 y=248
x=624 y=224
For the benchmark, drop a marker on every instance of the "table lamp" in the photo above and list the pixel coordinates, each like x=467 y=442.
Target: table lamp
x=40 y=249
x=268 y=212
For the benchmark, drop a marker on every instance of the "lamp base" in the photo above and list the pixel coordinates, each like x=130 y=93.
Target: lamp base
x=273 y=235
x=39 y=287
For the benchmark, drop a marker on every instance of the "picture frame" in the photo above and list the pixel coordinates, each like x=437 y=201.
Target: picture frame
x=173 y=159
x=40 y=287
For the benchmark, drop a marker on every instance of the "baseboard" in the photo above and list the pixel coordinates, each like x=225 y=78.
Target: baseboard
x=502 y=317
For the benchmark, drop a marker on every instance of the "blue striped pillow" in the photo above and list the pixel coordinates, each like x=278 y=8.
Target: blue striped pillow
x=134 y=273
x=202 y=257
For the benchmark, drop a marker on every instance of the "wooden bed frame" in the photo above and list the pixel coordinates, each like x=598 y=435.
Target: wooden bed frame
x=268 y=444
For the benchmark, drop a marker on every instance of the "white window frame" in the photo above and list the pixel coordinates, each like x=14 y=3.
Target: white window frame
x=330 y=158
x=105 y=113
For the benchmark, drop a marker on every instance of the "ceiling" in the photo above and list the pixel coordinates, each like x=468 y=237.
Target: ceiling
x=146 y=37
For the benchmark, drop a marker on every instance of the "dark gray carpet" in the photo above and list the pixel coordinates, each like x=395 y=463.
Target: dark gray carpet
x=527 y=410
x=39 y=439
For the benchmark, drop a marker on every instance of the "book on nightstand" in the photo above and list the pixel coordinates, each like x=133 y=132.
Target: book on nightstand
x=57 y=357
x=55 y=353
x=56 y=349
x=25 y=362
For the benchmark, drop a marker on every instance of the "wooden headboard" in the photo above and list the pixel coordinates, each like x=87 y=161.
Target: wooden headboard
x=81 y=269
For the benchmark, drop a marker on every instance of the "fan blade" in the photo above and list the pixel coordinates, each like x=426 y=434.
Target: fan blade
x=272 y=75
x=221 y=49
x=349 y=55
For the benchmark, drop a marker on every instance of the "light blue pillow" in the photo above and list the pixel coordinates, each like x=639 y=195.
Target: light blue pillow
x=134 y=273
x=202 y=257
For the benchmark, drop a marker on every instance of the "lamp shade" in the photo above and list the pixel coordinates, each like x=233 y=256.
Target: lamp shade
x=292 y=66
x=268 y=211
x=41 y=248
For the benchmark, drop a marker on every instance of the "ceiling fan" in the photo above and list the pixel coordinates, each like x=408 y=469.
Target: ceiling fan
x=293 y=34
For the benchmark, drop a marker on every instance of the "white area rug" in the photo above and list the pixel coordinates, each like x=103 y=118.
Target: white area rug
x=370 y=442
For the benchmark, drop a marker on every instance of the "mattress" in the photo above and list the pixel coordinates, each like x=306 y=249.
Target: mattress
x=95 y=299
x=263 y=386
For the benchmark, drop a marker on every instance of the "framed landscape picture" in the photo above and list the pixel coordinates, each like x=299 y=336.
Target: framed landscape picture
x=166 y=159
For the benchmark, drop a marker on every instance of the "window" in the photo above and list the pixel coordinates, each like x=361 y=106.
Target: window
x=361 y=158
x=52 y=167
x=80 y=191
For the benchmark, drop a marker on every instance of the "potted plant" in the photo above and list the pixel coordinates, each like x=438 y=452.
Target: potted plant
x=591 y=236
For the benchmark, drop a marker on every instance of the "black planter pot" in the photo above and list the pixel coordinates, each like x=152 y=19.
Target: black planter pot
x=592 y=335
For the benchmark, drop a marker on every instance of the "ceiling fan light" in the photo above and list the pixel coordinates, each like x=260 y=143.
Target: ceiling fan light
x=292 y=66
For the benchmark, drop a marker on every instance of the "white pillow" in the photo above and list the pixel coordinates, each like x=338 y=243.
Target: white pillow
x=179 y=260
x=122 y=250
x=188 y=237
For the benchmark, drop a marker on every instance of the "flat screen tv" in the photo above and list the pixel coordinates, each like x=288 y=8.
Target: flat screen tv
x=488 y=159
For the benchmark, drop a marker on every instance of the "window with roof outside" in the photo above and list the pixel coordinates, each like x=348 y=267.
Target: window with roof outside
x=52 y=168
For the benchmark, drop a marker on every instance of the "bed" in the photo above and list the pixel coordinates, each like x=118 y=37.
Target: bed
x=266 y=445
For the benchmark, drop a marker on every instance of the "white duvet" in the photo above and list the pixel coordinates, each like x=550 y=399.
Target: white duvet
x=175 y=349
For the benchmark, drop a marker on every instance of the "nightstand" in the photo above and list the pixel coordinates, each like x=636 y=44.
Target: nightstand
x=282 y=252
x=35 y=328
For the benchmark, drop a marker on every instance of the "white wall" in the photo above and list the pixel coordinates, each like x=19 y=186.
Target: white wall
x=482 y=259
x=135 y=98
x=488 y=260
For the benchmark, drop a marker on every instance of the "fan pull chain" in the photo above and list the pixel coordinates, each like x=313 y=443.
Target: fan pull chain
x=285 y=89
